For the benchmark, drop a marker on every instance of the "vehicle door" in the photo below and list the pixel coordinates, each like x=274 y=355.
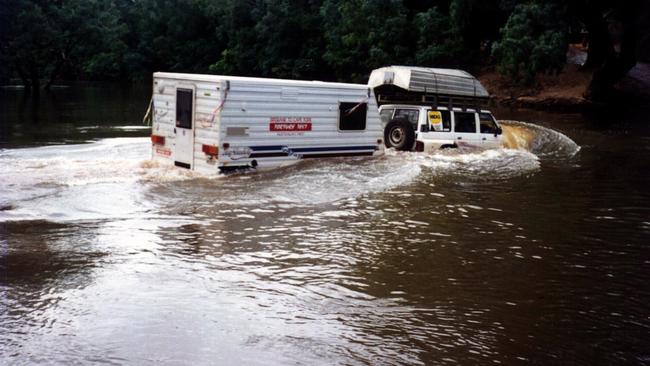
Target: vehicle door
x=465 y=131
x=438 y=126
x=489 y=131
x=184 y=129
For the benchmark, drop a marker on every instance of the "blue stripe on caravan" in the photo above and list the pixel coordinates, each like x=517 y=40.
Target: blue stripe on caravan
x=338 y=148
x=266 y=148
x=313 y=149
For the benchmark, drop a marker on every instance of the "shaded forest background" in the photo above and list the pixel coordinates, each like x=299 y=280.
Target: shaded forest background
x=43 y=41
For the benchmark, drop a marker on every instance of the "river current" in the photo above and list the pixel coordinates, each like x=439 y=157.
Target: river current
x=535 y=253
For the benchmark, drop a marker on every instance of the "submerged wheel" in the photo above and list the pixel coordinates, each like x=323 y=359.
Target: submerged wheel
x=448 y=146
x=399 y=134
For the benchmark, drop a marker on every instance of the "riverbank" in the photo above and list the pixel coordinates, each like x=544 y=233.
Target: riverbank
x=565 y=91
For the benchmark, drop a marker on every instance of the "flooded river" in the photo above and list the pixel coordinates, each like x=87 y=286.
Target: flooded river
x=533 y=255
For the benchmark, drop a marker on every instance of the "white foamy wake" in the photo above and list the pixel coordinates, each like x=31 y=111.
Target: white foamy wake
x=112 y=177
x=96 y=180
x=326 y=180
x=493 y=164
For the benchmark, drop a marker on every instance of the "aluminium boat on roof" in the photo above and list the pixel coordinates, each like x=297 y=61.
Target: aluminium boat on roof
x=401 y=84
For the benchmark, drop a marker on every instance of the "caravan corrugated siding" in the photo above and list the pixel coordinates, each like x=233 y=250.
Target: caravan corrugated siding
x=255 y=108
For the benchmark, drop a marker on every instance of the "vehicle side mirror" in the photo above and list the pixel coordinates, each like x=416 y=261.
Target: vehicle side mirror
x=498 y=131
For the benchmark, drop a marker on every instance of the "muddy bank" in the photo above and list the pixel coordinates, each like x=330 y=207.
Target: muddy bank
x=552 y=92
x=566 y=91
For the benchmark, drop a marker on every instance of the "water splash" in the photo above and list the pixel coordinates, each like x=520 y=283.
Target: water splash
x=541 y=141
x=494 y=164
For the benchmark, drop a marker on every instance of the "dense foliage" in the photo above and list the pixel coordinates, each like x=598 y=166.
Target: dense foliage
x=46 y=40
x=533 y=40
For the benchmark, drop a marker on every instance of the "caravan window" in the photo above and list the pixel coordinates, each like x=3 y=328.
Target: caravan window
x=184 y=108
x=352 y=116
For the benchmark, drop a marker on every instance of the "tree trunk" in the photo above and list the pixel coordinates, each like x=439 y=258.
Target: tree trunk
x=599 y=42
x=616 y=64
x=23 y=76
x=56 y=70
x=34 y=76
x=54 y=74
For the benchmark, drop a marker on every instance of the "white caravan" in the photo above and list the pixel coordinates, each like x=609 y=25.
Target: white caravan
x=212 y=123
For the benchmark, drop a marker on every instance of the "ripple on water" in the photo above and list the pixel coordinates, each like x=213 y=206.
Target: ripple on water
x=338 y=259
x=41 y=177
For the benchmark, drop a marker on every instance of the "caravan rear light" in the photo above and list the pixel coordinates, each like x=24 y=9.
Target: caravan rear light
x=211 y=150
x=157 y=140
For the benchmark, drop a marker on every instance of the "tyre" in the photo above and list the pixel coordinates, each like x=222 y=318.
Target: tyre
x=399 y=134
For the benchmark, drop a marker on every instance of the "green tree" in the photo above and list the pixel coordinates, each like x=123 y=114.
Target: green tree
x=364 y=34
x=438 y=44
x=310 y=39
x=534 y=40
x=241 y=53
x=173 y=35
x=46 y=37
x=290 y=40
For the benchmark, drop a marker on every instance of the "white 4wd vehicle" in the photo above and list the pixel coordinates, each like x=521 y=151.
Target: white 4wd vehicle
x=426 y=128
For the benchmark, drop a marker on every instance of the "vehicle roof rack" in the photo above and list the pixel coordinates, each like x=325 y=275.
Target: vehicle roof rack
x=427 y=86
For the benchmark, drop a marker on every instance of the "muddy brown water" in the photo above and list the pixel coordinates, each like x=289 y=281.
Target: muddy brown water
x=534 y=255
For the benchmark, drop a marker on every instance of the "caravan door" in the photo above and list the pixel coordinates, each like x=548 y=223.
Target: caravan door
x=184 y=139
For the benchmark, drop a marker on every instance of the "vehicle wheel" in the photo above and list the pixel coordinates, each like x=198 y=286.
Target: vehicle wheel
x=399 y=134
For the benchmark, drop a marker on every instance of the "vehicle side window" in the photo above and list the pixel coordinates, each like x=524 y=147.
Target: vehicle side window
x=465 y=122
x=352 y=116
x=487 y=123
x=386 y=115
x=411 y=115
x=439 y=121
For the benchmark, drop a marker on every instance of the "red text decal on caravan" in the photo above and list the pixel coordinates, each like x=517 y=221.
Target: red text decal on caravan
x=290 y=124
x=163 y=151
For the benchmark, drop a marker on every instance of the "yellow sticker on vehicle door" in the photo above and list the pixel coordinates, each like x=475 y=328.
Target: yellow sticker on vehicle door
x=435 y=120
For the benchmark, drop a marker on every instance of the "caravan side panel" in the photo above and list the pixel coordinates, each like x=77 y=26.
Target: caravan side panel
x=270 y=125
